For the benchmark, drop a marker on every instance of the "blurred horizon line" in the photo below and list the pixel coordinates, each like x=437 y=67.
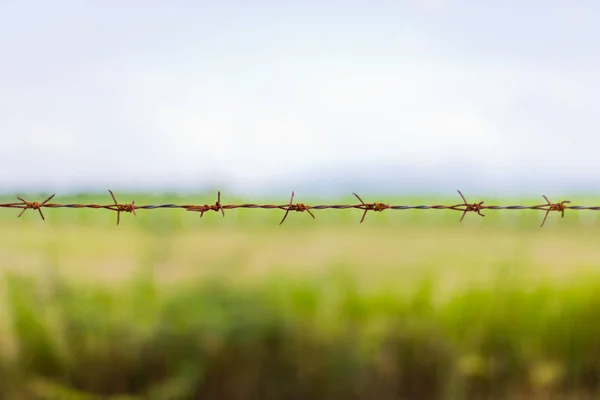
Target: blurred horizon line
x=332 y=181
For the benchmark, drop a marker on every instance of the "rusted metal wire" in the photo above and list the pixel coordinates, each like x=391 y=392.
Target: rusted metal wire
x=464 y=207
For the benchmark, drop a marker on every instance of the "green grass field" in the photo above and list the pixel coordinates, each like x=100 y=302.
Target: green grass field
x=409 y=304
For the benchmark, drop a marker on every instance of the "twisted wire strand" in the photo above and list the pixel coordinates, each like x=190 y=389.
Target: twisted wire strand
x=464 y=207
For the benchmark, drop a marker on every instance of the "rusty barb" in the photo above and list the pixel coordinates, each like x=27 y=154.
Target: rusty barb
x=464 y=207
x=215 y=207
x=121 y=207
x=298 y=207
x=549 y=206
x=475 y=207
x=370 y=207
x=34 y=205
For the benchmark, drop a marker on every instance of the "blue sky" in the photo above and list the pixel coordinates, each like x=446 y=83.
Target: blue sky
x=272 y=96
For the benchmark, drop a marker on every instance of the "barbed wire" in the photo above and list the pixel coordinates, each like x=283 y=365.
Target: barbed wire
x=464 y=207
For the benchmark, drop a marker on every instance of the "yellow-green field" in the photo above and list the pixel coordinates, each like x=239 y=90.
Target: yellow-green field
x=409 y=304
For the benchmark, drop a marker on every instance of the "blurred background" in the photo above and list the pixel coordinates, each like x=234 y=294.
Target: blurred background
x=407 y=96
x=402 y=102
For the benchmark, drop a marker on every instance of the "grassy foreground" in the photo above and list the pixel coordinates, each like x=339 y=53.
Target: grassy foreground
x=409 y=305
